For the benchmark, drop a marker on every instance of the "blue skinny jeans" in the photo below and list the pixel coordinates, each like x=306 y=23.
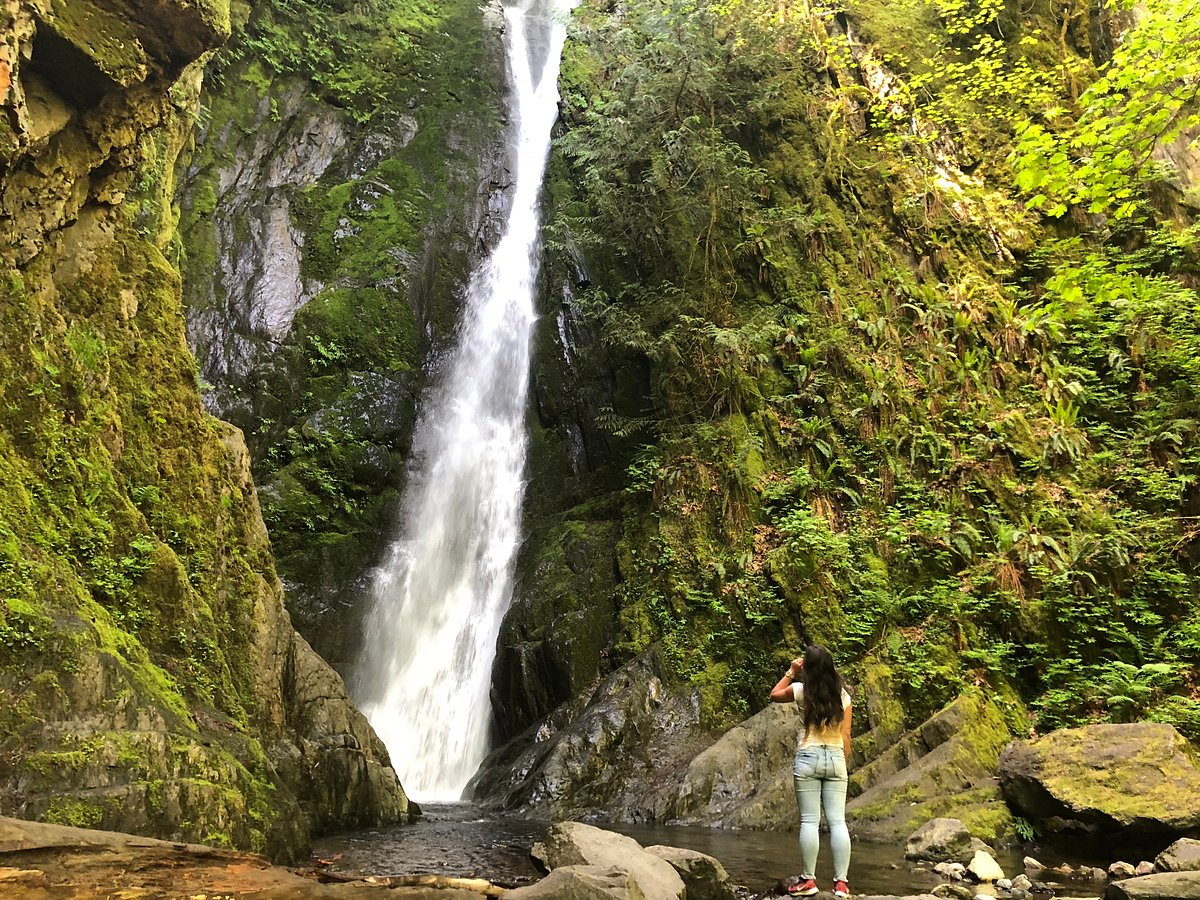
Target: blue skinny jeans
x=820 y=778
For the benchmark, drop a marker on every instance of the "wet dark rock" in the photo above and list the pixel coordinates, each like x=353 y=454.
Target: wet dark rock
x=1137 y=782
x=556 y=636
x=744 y=780
x=616 y=755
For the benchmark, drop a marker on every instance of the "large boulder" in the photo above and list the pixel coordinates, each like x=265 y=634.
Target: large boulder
x=703 y=875
x=1164 y=886
x=1181 y=856
x=617 y=754
x=943 y=768
x=576 y=844
x=943 y=839
x=1139 y=781
x=581 y=883
x=744 y=780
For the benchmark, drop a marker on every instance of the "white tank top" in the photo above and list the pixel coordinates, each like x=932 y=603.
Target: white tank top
x=829 y=736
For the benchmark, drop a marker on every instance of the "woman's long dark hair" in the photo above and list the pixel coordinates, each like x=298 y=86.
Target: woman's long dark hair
x=823 y=687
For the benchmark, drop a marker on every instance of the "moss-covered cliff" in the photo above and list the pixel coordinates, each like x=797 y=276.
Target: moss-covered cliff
x=886 y=368
x=150 y=679
x=332 y=207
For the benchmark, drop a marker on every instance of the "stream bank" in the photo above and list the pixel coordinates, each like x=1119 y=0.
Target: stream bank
x=51 y=861
x=463 y=840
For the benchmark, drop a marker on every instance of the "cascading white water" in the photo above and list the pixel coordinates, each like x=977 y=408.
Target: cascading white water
x=446 y=582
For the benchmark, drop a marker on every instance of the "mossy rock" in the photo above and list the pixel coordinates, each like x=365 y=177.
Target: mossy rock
x=943 y=769
x=1140 y=780
x=556 y=638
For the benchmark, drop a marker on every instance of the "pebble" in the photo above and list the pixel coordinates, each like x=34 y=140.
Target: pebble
x=1064 y=869
x=1021 y=883
x=1121 y=870
x=984 y=867
x=1005 y=884
x=1144 y=868
x=1032 y=865
x=1096 y=872
x=951 y=870
x=956 y=891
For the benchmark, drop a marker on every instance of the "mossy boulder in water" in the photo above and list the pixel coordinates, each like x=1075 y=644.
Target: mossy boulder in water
x=1140 y=780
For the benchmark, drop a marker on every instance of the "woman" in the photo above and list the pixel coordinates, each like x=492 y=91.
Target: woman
x=822 y=758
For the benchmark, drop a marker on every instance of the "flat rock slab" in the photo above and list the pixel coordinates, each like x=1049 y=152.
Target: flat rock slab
x=1164 y=886
x=581 y=883
x=56 y=862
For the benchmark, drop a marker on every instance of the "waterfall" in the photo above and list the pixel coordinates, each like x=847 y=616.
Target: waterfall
x=446 y=581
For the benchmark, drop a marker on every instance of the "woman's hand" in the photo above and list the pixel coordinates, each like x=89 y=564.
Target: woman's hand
x=783 y=692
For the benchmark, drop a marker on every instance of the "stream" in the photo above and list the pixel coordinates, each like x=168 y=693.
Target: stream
x=461 y=840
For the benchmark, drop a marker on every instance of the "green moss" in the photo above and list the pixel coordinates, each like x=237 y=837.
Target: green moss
x=124 y=572
x=896 y=468
x=76 y=812
x=109 y=39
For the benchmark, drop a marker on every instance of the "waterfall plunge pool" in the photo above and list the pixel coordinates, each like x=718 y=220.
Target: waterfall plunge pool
x=460 y=840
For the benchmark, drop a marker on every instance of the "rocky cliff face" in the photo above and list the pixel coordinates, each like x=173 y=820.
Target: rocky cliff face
x=853 y=387
x=328 y=236
x=150 y=679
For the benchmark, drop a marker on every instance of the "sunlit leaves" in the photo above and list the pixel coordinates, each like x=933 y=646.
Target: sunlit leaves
x=1147 y=96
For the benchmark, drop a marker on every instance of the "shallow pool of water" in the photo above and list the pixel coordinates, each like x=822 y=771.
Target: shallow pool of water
x=460 y=840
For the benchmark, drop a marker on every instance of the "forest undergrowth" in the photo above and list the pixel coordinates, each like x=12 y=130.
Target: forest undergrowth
x=915 y=284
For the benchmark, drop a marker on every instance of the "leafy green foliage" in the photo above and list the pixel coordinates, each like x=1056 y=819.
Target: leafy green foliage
x=356 y=55
x=879 y=417
x=1147 y=96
